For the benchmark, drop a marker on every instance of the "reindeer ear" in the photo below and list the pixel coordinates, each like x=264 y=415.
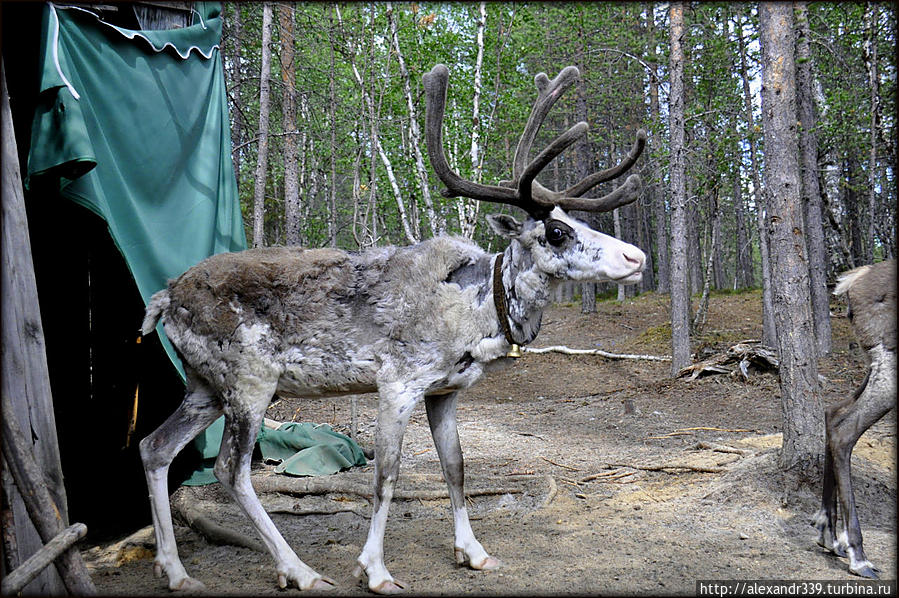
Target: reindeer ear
x=504 y=225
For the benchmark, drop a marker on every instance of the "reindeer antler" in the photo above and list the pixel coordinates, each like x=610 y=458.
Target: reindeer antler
x=523 y=190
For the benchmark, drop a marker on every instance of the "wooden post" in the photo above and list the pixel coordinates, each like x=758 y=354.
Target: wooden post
x=23 y=372
x=39 y=504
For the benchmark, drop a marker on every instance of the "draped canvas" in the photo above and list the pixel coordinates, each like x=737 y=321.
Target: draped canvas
x=134 y=126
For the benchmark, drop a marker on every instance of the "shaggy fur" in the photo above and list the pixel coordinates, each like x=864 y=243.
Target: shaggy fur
x=871 y=294
x=412 y=323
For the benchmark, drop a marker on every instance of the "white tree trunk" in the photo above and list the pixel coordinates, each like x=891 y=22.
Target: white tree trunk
x=469 y=208
x=435 y=223
x=411 y=236
x=264 y=108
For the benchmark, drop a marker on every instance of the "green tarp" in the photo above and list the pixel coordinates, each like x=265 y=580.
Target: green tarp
x=299 y=449
x=133 y=125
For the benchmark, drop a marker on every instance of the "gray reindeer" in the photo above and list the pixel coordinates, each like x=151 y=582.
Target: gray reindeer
x=871 y=294
x=412 y=323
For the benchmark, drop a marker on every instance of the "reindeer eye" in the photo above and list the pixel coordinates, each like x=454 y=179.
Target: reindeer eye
x=555 y=234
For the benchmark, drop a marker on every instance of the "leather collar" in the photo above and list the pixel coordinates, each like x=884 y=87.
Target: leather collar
x=499 y=300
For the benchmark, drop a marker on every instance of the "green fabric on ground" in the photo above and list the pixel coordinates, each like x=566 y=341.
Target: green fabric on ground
x=300 y=449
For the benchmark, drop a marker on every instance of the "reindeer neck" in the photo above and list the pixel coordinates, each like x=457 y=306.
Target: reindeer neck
x=527 y=291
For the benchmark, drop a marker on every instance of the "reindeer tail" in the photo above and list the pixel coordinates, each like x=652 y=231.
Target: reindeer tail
x=158 y=303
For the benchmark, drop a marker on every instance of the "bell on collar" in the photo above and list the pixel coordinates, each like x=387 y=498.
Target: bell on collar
x=515 y=351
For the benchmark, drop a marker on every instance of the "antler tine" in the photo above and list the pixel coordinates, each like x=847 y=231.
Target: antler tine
x=435 y=83
x=526 y=182
x=621 y=196
x=608 y=174
x=626 y=193
x=547 y=94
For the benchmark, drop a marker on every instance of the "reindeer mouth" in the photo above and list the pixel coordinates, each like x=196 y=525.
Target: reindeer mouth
x=632 y=278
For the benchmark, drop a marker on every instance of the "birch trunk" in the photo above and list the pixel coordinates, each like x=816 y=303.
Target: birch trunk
x=264 y=109
x=332 y=117
x=378 y=152
x=292 y=201
x=234 y=73
x=870 y=55
x=743 y=277
x=680 y=293
x=468 y=208
x=436 y=224
x=803 y=417
x=660 y=215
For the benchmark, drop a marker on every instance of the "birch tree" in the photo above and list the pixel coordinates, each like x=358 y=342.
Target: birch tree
x=769 y=333
x=434 y=222
x=870 y=56
x=655 y=197
x=264 y=110
x=292 y=200
x=468 y=209
x=378 y=151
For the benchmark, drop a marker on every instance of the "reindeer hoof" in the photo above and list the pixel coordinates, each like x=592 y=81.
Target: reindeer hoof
x=389 y=586
x=488 y=563
x=324 y=583
x=836 y=548
x=190 y=585
x=865 y=569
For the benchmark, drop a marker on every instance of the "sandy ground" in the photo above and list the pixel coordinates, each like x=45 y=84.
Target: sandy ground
x=665 y=510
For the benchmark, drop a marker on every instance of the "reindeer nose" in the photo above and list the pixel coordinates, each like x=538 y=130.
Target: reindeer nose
x=636 y=259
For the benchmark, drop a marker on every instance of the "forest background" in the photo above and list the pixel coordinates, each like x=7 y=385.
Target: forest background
x=327 y=112
x=768 y=123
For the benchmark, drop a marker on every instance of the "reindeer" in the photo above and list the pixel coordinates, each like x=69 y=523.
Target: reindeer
x=871 y=294
x=417 y=323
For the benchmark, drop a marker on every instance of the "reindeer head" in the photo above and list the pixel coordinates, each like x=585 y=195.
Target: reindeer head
x=560 y=245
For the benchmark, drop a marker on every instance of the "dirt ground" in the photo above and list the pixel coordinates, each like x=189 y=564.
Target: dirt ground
x=662 y=512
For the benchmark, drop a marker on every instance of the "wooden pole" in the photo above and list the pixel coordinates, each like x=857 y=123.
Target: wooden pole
x=17 y=579
x=23 y=361
x=38 y=502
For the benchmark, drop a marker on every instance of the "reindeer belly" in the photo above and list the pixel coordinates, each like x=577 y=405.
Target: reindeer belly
x=313 y=373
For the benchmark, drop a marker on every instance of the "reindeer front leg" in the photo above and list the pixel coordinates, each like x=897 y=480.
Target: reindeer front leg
x=441 y=411
x=395 y=406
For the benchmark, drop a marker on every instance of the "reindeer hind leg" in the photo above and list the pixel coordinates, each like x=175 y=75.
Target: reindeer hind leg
x=825 y=520
x=877 y=397
x=198 y=410
x=232 y=468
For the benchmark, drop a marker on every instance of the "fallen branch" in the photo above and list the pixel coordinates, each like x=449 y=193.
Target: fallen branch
x=671 y=434
x=721 y=448
x=568 y=467
x=215 y=533
x=600 y=352
x=23 y=574
x=607 y=476
x=676 y=466
x=336 y=485
x=736 y=360
x=39 y=504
